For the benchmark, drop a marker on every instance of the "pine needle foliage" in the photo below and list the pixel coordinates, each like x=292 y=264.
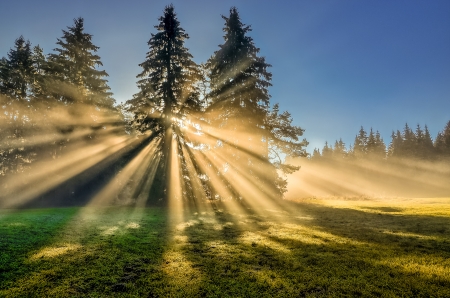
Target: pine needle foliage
x=75 y=62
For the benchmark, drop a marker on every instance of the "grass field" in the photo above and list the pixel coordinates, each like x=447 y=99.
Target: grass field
x=336 y=247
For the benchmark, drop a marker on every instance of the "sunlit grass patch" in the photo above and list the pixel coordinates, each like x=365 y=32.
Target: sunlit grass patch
x=413 y=235
x=436 y=268
x=397 y=206
x=180 y=274
x=17 y=224
x=54 y=251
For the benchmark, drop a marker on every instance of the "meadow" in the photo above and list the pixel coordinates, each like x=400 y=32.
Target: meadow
x=314 y=247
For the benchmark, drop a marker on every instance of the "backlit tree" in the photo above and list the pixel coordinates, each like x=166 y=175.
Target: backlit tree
x=256 y=135
x=75 y=63
x=167 y=92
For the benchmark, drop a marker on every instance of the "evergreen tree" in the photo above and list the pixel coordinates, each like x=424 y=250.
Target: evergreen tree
x=327 y=151
x=428 y=144
x=351 y=153
x=4 y=76
x=396 y=146
x=239 y=81
x=420 y=143
x=360 y=144
x=380 y=146
x=446 y=133
x=371 y=143
x=316 y=154
x=409 y=142
x=168 y=80
x=439 y=144
x=239 y=101
x=442 y=143
x=339 y=151
x=392 y=145
x=75 y=63
x=39 y=79
x=168 y=93
x=16 y=118
x=17 y=71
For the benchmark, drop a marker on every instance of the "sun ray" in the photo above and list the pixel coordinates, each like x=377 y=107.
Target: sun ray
x=136 y=177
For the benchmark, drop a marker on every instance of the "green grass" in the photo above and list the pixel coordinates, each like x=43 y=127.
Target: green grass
x=319 y=248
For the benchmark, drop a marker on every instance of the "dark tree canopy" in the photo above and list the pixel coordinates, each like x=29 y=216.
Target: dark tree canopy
x=17 y=76
x=167 y=81
x=46 y=98
x=16 y=72
x=442 y=143
x=75 y=63
x=405 y=144
x=360 y=144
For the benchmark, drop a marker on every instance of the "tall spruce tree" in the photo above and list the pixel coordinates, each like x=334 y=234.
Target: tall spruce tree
x=168 y=80
x=239 y=81
x=40 y=65
x=16 y=118
x=17 y=70
x=168 y=93
x=75 y=63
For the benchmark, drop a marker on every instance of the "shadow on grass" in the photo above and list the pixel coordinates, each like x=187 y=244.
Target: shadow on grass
x=98 y=252
x=317 y=251
x=23 y=231
x=430 y=234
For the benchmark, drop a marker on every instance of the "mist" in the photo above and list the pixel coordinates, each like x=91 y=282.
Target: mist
x=369 y=178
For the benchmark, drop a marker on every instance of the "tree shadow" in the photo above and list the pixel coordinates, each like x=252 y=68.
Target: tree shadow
x=110 y=251
x=21 y=232
x=379 y=225
x=315 y=250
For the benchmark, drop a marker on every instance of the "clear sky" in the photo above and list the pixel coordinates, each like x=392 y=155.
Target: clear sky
x=337 y=65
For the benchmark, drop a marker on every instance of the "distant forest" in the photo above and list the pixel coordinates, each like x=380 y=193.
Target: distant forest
x=409 y=143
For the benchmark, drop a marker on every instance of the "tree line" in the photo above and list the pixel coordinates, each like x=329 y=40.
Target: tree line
x=408 y=143
x=45 y=98
x=213 y=120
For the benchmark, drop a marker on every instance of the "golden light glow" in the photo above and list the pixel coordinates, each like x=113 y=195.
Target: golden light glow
x=370 y=178
x=209 y=155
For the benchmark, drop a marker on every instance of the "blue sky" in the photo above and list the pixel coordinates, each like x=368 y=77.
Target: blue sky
x=337 y=65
